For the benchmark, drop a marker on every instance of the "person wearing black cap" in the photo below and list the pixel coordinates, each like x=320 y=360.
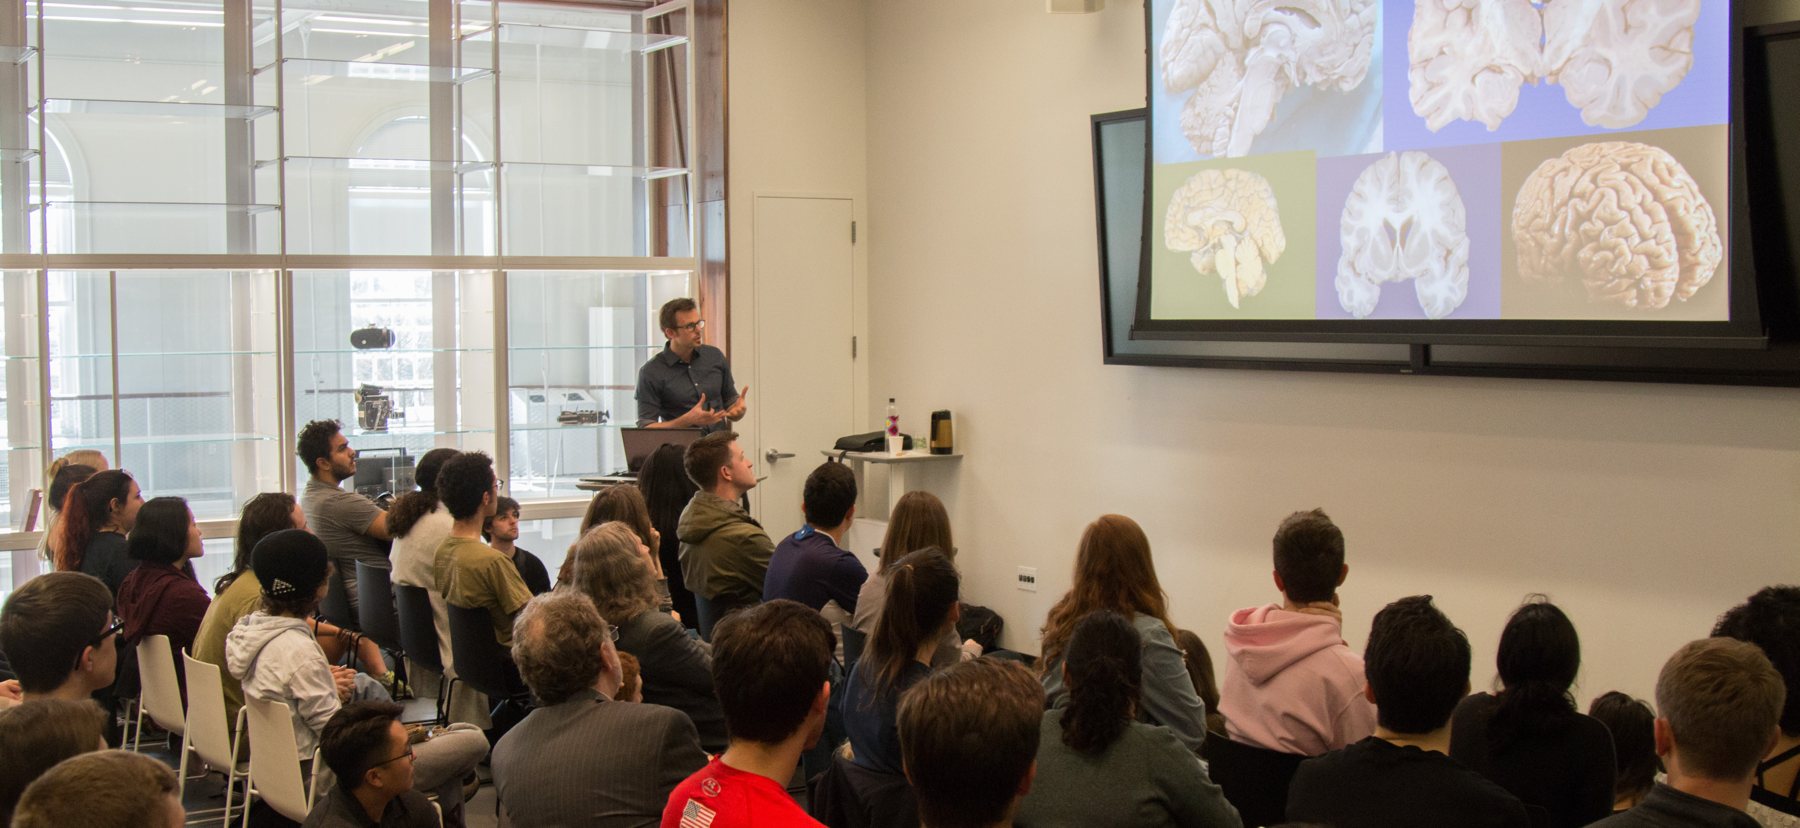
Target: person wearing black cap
x=274 y=653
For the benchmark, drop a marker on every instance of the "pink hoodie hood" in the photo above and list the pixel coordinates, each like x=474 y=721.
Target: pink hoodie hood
x=1291 y=683
x=1268 y=639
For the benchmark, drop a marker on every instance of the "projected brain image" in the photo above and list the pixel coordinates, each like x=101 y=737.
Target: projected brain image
x=1228 y=223
x=1625 y=220
x=1613 y=59
x=1238 y=58
x=1404 y=220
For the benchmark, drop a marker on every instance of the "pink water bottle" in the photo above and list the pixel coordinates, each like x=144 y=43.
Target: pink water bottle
x=893 y=428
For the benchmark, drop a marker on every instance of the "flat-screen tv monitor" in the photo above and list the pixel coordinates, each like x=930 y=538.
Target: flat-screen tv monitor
x=1344 y=194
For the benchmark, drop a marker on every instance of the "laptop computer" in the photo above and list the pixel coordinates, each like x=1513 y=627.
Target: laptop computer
x=640 y=443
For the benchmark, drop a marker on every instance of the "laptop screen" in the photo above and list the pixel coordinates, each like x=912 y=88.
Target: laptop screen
x=640 y=443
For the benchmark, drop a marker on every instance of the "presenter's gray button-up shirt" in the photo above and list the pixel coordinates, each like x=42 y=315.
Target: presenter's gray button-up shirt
x=668 y=387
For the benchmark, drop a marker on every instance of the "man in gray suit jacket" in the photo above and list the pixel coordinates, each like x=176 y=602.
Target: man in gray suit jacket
x=581 y=758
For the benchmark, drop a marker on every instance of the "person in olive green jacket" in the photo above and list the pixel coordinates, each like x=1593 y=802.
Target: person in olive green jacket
x=724 y=552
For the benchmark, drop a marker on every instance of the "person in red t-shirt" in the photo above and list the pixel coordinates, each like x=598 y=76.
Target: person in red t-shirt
x=771 y=668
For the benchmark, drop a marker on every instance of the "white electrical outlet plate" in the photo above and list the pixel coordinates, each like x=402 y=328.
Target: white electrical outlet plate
x=1028 y=578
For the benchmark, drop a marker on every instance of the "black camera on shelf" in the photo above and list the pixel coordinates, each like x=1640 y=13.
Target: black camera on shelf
x=372 y=338
x=374 y=408
x=583 y=416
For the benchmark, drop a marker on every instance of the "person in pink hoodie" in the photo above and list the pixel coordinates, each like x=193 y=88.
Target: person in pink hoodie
x=1291 y=683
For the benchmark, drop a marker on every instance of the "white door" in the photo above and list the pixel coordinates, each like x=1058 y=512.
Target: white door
x=803 y=350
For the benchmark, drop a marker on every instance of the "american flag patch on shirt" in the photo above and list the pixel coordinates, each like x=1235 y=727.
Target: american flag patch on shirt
x=696 y=815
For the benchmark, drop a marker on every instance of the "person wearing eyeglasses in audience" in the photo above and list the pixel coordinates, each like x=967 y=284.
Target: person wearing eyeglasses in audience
x=688 y=384
x=61 y=635
x=371 y=754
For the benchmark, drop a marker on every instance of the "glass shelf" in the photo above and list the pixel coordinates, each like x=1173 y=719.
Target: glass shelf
x=17 y=54
x=418 y=431
x=518 y=348
x=390 y=351
x=548 y=427
x=321 y=162
x=188 y=209
x=576 y=39
x=549 y=170
x=5 y=446
x=8 y=154
x=105 y=443
x=168 y=355
x=306 y=69
x=95 y=106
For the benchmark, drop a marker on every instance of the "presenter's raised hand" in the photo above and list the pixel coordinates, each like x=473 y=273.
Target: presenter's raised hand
x=739 y=408
x=698 y=416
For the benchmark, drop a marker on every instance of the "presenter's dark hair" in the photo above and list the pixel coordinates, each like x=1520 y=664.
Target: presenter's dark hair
x=1417 y=663
x=408 y=508
x=463 y=481
x=1105 y=679
x=674 y=306
x=769 y=663
x=706 y=456
x=1538 y=658
x=1771 y=621
x=829 y=493
x=357 y=738
x=161 y=533
x=1309 y=556
x=1633 y=729
x=315 y=443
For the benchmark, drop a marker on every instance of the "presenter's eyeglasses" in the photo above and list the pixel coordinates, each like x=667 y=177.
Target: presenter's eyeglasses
x=696 y=325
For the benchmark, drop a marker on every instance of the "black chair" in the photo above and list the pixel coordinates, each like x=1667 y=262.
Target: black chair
x=1254 y=779
x=481 y=661
x=336 y=606
x=848 y=795
x=375 y=606
x=854 y=642
x=419 y=638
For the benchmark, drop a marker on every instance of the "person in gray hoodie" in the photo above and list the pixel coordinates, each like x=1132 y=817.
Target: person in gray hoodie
x=724 y=552
x=276 y=656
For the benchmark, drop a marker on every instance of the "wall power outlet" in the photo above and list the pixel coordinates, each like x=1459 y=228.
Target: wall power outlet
x=1028 y=578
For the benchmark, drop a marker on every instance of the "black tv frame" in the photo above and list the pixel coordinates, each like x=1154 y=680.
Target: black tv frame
x=1762 y=214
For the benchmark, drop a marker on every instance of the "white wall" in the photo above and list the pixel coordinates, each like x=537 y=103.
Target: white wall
x=1643 y=510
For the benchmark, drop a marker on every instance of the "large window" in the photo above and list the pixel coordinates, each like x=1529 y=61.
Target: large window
x=442 y=223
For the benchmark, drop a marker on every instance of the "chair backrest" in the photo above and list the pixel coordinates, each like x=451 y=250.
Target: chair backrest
x=161 y=694
x=336 y=606
x=375 y=605
x=854 y=641
x=275 y=758
x=481 y=662
x=208 y=726
x=1254 y=779
x=418 y=632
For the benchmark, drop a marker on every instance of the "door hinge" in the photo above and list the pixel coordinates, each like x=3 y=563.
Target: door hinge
x=853 y=347
x=853 y=232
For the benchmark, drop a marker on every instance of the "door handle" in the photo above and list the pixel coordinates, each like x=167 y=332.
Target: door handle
x=773 y=455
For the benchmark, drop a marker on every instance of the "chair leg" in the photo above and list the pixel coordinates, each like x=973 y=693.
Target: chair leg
x=137 y=732
x=181 y=769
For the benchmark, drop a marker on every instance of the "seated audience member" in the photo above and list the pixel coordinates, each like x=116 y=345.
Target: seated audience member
x=1200 y=669
x=160 y=596
x=631 y=685
x=60 y=633
x=724 y=552
x=1771 y=621
x=103 y=789
x=922 y=589
x=1291 y=683
x=969 y=738
x=918 y=521
x=626 y=504
x=371 y=756
x=772 y=666
x=350 y=524
x=582 y=758
x=97 y=515
x=420 y=524
x=1096 y=764
x=501 y=531
x=274 y=654
x=1114 y=571
x=1720 y=702
x=470 y=573
x=1529 y=738
x=239 y=594
x=667 y=490
x=1632 y=725
x=607 y=565
x=812 y=566
x=39 y=734
x=63 y=473
x=1417 y=664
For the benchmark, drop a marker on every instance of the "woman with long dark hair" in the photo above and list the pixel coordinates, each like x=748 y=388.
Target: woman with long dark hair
x=1097 y=764
x=1114 y=571
x=1529 y=738
x=922 y=603
x=667 y=490
x=99 y=513
x=626 y=505
x=160 y=596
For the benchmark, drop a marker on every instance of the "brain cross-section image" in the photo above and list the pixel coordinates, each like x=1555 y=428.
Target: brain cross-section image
x=1228 y=223
x=1613 y=59
x=1236 y=60
x=1624 y=220
x=1404 y=220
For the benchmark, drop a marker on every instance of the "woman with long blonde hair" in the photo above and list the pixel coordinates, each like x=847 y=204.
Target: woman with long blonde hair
x=607 y=565
x=61 y=475
x=1114 y=571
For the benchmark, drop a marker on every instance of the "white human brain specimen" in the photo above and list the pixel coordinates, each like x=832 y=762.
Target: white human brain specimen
x=1239 y=57
x=1404 y=219
x=1624 y=218
x=1614 y=59
x=1229 y=224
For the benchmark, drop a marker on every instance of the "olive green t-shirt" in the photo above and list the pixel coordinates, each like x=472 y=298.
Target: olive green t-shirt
x=472 y=574
x=243 y=597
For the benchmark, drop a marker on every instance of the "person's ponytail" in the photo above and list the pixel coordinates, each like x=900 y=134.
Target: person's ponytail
x=922 y=589
x=1104 y=675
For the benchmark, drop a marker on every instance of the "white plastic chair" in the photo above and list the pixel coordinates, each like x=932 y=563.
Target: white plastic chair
x=160 y=695
x=275 y=761
x=211 y=736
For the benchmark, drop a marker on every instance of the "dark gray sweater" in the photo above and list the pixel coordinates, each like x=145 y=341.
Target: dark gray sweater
x=1146 y=777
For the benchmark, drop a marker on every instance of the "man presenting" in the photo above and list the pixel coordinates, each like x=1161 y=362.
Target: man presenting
x=689 y=384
